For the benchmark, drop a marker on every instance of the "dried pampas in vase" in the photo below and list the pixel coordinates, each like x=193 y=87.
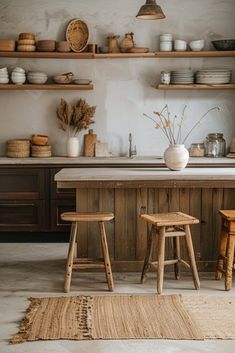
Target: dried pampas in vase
x=73 y=119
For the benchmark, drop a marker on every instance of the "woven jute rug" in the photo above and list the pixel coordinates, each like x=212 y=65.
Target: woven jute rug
x=128 y=317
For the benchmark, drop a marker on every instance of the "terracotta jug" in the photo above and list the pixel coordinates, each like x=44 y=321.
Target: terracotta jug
x=113 y=44
x=127 y=43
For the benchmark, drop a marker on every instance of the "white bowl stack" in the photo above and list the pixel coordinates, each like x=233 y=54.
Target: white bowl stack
x=36 y=77
x=166 y=42
x=4 y=77
x=214 y=76
x=182 y=77
x=197 y=45
x=18 y=76
x=180 y=45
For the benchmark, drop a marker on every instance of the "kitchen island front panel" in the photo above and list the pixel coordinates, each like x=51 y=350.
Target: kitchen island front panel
x=130 y=192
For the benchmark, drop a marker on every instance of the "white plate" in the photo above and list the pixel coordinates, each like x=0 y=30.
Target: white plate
x=82 y=81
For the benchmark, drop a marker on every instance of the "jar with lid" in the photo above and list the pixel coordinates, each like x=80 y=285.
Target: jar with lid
x=197 y=150
x=215 y=145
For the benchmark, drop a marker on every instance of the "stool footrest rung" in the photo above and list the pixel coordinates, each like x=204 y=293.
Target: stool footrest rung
x=83 y=263
x=184 y=263
x=174 y=234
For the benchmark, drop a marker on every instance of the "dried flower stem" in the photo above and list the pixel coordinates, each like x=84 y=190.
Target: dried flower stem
x=198 y=122
x=167 y=125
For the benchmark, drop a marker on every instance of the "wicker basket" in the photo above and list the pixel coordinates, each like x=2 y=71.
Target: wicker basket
x=41 y=151
x=18 y=148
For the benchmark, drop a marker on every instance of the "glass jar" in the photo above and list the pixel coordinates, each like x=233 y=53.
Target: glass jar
x=197 y=150
x=215 y=145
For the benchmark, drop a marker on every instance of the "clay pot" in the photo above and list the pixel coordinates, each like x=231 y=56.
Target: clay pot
x=176 y=157
x=113 y=44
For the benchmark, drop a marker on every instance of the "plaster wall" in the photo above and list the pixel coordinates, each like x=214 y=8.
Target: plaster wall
x=123 y=87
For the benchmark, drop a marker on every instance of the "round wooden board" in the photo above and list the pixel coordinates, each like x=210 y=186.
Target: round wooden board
x=77 y=34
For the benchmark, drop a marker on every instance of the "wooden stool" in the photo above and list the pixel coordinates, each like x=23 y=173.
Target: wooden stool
x=82 y=263
x=165 y=225
x=227 y=246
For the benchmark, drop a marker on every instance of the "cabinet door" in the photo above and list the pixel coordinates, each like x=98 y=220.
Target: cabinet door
x=60 y=193
x=58 y=207
x=22 y=183
x=22 y=215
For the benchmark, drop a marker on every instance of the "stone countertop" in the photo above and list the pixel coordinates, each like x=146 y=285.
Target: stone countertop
x=143 y=174
x=140 y=160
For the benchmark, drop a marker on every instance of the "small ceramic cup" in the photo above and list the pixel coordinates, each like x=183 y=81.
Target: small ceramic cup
x=180 y=45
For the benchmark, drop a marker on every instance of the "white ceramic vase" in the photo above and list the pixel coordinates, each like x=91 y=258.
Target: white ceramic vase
x=72 y=147
x=176 y=157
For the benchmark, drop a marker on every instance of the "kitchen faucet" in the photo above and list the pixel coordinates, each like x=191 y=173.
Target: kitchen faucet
x=132 y=151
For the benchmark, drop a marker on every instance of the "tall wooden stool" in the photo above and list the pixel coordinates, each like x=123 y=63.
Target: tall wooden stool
x=165 y=225
x=83 y=263
x=225 y=263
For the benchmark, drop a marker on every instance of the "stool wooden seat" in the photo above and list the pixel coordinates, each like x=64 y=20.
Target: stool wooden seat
x=164 y=225
x=87 y=263
x=225 y=263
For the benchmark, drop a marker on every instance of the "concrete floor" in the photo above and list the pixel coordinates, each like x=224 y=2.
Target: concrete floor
x=38 y=269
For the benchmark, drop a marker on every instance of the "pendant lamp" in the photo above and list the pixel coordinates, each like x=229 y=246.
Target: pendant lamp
x=150 y=11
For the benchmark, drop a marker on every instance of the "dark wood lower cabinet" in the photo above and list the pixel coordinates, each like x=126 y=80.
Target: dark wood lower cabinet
x=30 y=202
x=58 y=207
x=23 y=215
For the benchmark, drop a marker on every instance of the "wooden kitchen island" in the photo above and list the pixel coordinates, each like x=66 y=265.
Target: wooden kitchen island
x=129 y=192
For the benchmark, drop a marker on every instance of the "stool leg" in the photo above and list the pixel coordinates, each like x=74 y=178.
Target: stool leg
x=70 y=257
x=176 y=241
x=147 y=259
x=108 y=269
x=222 y=253
x=191 y=255
x=161 y=257
x=229 y=262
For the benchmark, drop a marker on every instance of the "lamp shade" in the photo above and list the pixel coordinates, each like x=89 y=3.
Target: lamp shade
x=150 y=11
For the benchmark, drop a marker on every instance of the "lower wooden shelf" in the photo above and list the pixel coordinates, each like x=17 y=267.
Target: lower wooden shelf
x=49 y=86
x=196 y=86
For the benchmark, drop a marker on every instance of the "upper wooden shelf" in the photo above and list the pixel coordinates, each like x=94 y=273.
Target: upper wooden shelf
x=45 y=55
x=195 y=54
x=48 y=86
x=196 y=86
x=124 y=55
x=84 y=55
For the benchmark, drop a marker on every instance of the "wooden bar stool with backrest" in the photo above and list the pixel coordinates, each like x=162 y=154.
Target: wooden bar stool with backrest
x=82 y=263
x=165 y=225
x=225 y=263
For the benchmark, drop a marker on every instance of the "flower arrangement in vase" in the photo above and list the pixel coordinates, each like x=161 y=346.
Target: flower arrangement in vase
x=176 y=156
x=73 y=119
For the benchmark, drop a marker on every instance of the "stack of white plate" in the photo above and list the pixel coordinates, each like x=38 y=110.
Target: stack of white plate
x=18 y=76
x=182 y=77
x=213 y=76
x=4 y=77
x=36 y=77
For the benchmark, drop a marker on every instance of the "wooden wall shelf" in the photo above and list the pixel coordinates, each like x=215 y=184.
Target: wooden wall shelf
x=124 y=55
x=86 y=55
x=196 y=86
x=45 y=55
x=196 y=54
x=49 y=86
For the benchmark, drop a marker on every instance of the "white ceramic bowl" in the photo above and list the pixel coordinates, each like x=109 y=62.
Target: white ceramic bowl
x=37 y=80
x=4 y=80
x=18 y=79
x=166 y=37
x=18 y=76
x=197 y=45
x=19 y=70
x=4 y=74
x=180 y=45
x=166 y=46
x=3 y=69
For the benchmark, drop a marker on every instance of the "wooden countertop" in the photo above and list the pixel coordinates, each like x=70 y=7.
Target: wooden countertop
x=145 y=177
x=139 y=160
